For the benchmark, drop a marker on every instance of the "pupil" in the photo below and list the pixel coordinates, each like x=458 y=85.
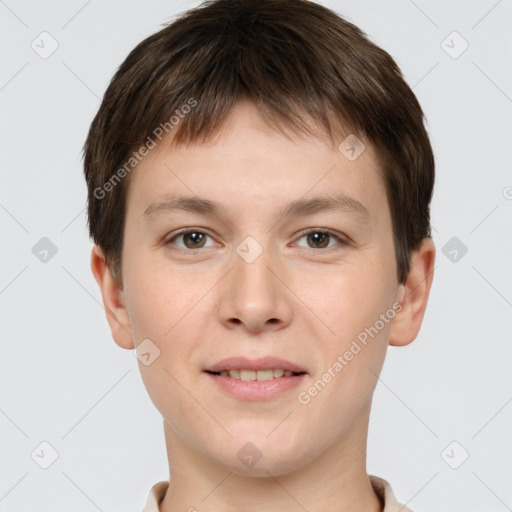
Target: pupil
x=320 y=238
x=195 y=237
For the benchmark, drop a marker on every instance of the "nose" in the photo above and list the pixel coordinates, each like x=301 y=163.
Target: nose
x=254 y=295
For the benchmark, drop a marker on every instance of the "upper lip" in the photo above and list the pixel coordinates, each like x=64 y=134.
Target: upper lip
x=263 y=363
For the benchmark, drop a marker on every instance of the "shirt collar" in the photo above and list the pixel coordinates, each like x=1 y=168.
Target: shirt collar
x=380 y=486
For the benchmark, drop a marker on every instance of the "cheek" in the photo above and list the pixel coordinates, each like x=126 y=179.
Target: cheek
x=352 y=355
x=350 y=299
x=356 y=305
x=166 y=308
x=158 y=297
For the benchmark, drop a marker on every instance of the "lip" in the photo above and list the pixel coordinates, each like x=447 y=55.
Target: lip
x=263 y=363
x=254 y=389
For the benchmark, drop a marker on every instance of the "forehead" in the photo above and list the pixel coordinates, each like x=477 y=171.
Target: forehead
x=248 y=160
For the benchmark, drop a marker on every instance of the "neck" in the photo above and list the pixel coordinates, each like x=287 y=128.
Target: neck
x=334 y=480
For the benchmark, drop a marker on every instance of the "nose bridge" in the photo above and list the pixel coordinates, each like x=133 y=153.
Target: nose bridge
x=252 y=277
x=252 y=293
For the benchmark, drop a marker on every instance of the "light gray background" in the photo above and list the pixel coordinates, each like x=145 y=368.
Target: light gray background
x=64 y=381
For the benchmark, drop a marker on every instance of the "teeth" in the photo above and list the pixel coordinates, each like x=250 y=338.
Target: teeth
x=264 y=375
x=247 y=375
x=250 y=375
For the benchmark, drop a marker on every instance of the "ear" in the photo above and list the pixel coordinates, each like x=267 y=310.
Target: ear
x=113 y=300
x=413 y=295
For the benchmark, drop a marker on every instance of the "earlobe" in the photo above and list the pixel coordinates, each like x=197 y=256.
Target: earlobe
x=113 y=300
x=413 y=295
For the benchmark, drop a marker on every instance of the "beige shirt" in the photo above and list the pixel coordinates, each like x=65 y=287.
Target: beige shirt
x=380 y=486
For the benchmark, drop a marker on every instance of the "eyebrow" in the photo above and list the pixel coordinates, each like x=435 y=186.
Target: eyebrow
x=296 y=208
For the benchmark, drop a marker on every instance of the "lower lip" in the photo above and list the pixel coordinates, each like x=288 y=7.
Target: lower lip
x=256 y=389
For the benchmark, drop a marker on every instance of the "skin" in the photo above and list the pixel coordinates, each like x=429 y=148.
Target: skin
x=298 y=300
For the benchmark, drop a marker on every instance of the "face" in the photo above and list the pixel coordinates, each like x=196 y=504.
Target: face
x=251 y=280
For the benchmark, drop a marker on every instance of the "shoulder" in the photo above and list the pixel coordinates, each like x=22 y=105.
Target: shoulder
x=155 y=496
x=383 y=489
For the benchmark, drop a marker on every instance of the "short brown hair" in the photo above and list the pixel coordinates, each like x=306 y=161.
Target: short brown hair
x=296 y=60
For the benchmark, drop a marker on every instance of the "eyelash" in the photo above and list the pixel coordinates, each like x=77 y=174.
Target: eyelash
x=342 y=241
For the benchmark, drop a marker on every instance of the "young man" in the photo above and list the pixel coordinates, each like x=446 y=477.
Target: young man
x=259 y=181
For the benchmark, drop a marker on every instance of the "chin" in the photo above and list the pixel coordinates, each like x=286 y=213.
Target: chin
x=262 y=456
x=267 y=466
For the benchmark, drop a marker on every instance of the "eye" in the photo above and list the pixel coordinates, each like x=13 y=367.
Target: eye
x=320 y=238
x=193 y=239
x=196 y=239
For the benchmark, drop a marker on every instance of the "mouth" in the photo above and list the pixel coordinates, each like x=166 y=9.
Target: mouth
x=255 y=379
x=259 y=375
